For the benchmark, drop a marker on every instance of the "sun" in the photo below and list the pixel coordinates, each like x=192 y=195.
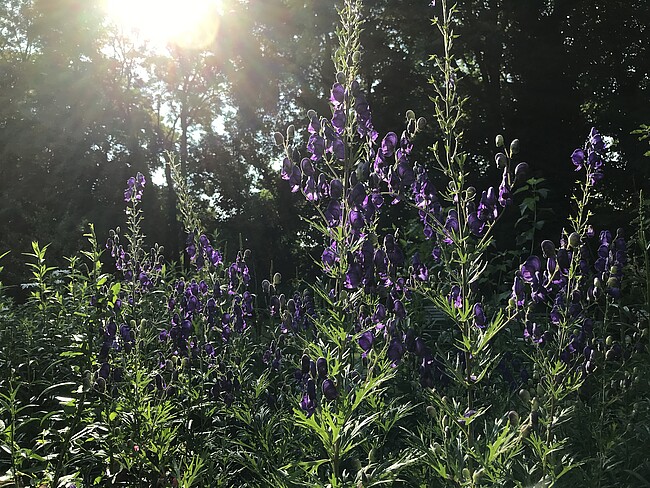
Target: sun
x=185 y=23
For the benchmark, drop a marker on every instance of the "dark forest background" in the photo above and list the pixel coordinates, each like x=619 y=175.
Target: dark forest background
x=82 y=109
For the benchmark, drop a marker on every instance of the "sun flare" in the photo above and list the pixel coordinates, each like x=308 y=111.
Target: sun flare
x=186 y=23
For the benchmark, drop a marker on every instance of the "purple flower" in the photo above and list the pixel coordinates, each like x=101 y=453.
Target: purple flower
x=365 y=342
x=395 y=351
x=316 y=146
x=321 y=367
x=135 y=187
x=337 y=95
x=590 y=156
x=336 y=189
x=455 y=298
x=398 y=308
x=388 y=144
x=338 y=121
x=528 y=270
x=479 y=316
x=518 y=291
x=353 y=275
x=329 y=390
x=505 y=197
x=308 y=402
x=578 y=158
x=329 y=257
x=451 y=226
x=333 y=212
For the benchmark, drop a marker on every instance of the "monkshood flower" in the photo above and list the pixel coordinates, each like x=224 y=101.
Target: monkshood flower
x=534 y=333
x=299 y=314
x=419 y=271
x=612 y=258
x=135 y=187
x=362 y=111
x=505 y=197
x=480 y=320
x=451 y=227
x=225 y=387
x=487 y=210
x=308 y=402
x=329 y=389
x=591 y=156
x=366 y=341
x=272 y=357
x=455 y=297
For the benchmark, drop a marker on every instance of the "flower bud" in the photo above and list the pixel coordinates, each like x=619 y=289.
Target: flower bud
x=513 y=418
x=247 y=254
x=277 y=279
x=548 y=248
x=356 y=56
x=437 y=448
x=524 y=395
x=279 y=139
x=478 y=476
x=340 y=77
x=470 y=192
x=291 y=306
x=521 y=170
x=266 y=286
x=410 y=115
x=501 y=160
x=311 y=114
x=373 y=455
x=466 y=473
x=514 y=147
x=499 y=141
x=431 y=411
x=574 y=240
x=304 y=364
x=291 y=131
x=421 y=124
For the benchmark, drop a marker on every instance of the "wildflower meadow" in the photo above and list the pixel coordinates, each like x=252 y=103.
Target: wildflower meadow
x=422 y=351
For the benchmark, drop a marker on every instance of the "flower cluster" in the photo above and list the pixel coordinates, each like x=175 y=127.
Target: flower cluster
x=114 y=339
x=139 y=268
x=203 y=253
x=214 y=308
x=135 y=187
x=296 y=313
x=567 y=279
x=309 y=374
x=143 y=272
x=591 y=156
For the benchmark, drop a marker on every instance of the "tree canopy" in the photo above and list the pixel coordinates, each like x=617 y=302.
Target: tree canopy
x=82 y=107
